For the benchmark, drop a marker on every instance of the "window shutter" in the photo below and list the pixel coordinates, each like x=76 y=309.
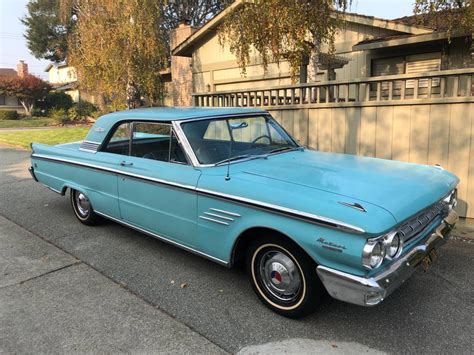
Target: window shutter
x=424 y=63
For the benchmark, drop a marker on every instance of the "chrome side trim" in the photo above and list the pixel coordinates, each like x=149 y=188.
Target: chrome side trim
x=320 y=220
x=169 y=241
x=218 y=216
x=328 y=222
x=225 y=212
x=213 y=220
x=115 y=171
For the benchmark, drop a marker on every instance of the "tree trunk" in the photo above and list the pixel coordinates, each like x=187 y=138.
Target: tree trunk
x=28 y=106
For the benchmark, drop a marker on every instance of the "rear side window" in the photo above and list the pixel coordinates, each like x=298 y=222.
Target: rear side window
x=154 y=141
x=119 y=143
x=151 y=141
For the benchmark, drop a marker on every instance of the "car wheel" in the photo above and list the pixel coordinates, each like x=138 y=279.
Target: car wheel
x=82 y=208
x=284 y=277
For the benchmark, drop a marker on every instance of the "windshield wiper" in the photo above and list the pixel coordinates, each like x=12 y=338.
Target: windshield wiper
x=283 y=149
x=244 y=156
x=237 y=157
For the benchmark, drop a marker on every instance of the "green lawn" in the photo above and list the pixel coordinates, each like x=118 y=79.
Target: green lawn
x=22 y=139
x=28 y=122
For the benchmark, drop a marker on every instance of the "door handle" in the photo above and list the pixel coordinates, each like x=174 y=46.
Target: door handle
x=124 y=163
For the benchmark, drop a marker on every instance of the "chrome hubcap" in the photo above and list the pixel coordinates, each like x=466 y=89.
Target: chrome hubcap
x=82 y=203
x=280 y=275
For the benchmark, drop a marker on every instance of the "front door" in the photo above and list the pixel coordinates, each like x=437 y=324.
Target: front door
x=157 y=187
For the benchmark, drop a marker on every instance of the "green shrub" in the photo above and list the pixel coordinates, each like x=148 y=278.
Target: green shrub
x=39 y=112
x=59 y=115
x=75 y=114
x=97 y=114
x=58 y=100
x=86 y=108
x=9 y=115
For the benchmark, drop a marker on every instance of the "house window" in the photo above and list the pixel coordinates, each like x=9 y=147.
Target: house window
x=2 y=100
x=411 y=64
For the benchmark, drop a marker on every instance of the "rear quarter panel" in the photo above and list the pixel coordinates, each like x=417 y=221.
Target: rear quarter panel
x=53 y=168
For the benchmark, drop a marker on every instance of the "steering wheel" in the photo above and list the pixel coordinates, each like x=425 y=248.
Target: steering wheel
x=260 y=137
x=149 y=155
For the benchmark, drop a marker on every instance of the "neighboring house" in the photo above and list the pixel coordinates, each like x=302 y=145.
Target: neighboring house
x=394 y=89
x=11 y=102
x=365 y=47
x=64 y=78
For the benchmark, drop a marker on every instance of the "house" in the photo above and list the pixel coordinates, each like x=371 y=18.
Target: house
x=365 y=47
x=64 y=78
x=11 y=102
x=394 y=89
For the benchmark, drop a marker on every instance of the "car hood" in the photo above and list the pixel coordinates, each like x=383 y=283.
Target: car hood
x=402 y=189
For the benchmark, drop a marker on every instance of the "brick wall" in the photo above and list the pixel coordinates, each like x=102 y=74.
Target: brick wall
x=181 y=87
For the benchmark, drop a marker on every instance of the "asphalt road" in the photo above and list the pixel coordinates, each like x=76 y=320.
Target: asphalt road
x=432 y=312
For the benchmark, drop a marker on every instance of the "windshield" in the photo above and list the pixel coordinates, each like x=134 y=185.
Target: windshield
x=216 y=141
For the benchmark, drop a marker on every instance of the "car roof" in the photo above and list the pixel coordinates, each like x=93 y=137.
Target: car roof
x=177 y=113
x=162 y=114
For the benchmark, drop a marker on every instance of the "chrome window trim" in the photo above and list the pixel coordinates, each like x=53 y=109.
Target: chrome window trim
x=316 y=219
x=183 y=141
x=157 y=236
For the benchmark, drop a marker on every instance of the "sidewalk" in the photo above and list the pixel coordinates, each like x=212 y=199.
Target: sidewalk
x=51 y=302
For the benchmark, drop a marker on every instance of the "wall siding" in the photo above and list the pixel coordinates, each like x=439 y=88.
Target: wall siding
x=423 y=134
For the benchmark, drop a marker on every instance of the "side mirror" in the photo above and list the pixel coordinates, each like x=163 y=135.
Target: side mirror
x=240 y=125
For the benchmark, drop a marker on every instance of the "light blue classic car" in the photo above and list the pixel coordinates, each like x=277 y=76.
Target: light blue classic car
x=233 y=186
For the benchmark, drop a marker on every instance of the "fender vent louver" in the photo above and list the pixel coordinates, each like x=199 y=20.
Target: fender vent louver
x=89 y=146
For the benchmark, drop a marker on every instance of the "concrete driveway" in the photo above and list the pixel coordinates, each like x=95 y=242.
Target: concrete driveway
x=432 y=312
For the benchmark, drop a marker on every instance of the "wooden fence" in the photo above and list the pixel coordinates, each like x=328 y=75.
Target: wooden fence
x=425 y=119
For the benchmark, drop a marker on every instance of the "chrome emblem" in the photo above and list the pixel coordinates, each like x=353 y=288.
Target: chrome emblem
x=355 y=205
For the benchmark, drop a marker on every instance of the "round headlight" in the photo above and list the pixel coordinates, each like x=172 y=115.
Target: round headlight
x=374 y=252
x=393 y=245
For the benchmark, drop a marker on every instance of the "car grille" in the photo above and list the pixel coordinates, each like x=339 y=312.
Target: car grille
x=89 y=146
x=417 y=224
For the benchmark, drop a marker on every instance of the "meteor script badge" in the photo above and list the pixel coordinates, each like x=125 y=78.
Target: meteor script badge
x=331 y=246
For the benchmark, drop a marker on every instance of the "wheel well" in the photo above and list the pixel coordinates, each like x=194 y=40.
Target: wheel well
x=245 y=238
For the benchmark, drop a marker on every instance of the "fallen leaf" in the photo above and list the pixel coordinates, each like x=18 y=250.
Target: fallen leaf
x=334 y=345
x=172 y=282
x=183 y=285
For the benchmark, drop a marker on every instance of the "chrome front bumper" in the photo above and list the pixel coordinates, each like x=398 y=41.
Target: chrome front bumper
x=371 y=291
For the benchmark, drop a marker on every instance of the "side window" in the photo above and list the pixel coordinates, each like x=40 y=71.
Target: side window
x=156 y=141
x=151 y=141
x=119 y=143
